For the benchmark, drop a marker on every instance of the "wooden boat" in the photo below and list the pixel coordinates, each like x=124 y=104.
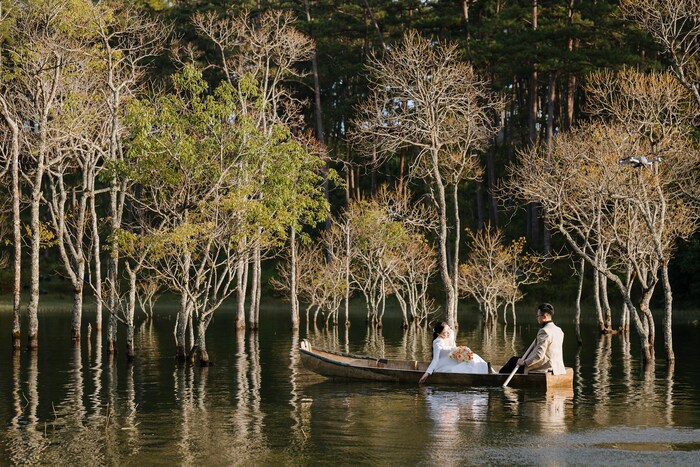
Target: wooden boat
x=340 y=365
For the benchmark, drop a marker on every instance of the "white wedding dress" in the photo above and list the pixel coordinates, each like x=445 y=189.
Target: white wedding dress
x=442 y=363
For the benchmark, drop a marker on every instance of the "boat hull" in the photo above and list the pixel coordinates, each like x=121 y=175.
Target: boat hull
x=339 y=365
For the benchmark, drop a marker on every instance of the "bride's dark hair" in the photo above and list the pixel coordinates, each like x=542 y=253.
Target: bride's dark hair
x=438 y=328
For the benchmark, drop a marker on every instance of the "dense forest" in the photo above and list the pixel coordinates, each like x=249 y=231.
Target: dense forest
x=423 y=151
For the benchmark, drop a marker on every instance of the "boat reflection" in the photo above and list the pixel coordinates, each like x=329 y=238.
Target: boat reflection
x=459 y=421
x=548 y=413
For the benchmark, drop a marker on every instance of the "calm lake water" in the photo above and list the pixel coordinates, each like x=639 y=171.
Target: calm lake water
x=73 y=405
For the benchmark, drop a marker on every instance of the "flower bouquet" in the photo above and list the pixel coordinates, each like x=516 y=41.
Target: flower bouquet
x=462 y=353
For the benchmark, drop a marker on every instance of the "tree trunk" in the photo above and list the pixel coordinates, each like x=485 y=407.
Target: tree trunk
x=293 y=297
x=76 y=314
x=113 y=269
x=581 y=272
x=347 y=274
x=202 y=342
x=568 y=119
x=629 y=282
x=668 y=315
x=183 y=312
x=16 y=228
x=596 y=301
x=645 y=308
x=647 y=345
x=442 y=241
x=35 y=246
x=607 y=316
x=551 y=97
x=242 y=285
x=533 y=101
x=97 y=274
x=455 y=257
x=129 y=318
x=373 y=172
x=254 y=310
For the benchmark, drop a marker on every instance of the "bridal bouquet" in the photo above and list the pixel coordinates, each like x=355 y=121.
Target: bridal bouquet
x=462 y=353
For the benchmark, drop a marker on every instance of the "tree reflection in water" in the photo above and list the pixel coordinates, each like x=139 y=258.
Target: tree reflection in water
x=258 y=405
x=601 y=378
x=26 y=438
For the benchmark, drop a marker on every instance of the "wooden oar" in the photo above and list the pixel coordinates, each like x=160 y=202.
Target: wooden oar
x=510 y=376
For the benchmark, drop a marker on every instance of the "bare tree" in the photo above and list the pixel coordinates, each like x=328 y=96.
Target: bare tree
x=148 y=290
x=660 y=114
x=600 y=202
x=494 y=272
x=39 y=58
x=422 y=96
x=675 y=24
x=125 y=42
x=76 y=151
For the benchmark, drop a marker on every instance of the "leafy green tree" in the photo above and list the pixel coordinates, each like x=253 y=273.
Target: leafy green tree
x=200 y=164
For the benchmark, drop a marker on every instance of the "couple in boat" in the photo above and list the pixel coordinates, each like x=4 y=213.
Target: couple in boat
x=450 y=358
x=544 y=355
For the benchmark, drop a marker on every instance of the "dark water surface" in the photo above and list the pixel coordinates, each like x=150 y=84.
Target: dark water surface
x=69 y=405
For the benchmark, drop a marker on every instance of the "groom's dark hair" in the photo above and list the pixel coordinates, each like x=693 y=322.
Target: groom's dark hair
x=546 y=308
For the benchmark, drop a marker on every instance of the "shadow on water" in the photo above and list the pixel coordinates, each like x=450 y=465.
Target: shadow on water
x=258 y=406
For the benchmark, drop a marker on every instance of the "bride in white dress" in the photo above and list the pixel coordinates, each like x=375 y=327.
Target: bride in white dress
x=443 y=345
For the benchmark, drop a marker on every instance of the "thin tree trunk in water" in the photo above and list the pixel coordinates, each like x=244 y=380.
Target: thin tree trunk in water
x=293 y=297
x=252 y=323
x=649 y=319
x=115 y=208
x=607 y=323
x=131 y=306
x=629 y=282
x=347 y=275
x=442 y=242
x=242 y=284
x=16 y=229
x=77 y=312
x=191 y=327
x=254 y=310
x=455 y=257
x=35 y=245
x=181 y=326
x=647 y=349
x=113 y=270
x=668 y=315
x=596 y=300
x=97 y=274
x=202 y=342
x=581 y=272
